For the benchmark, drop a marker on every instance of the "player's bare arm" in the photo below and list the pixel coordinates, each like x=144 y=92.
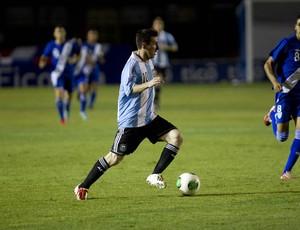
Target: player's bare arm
x=141 y=87
x=73 y=59
x=268 y=66
x=43 y=61
x=170 y=48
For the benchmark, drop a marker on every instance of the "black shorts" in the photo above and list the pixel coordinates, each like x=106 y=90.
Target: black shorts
x=128 y=139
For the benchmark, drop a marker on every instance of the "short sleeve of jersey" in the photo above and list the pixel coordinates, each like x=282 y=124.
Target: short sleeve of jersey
x=279 y=49
x=128 y=77
x=48 y=49
x=171 y=39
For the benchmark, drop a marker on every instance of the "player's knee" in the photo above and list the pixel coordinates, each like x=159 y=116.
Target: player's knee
x=176 y=138
x=113 y=159
x=282 y=136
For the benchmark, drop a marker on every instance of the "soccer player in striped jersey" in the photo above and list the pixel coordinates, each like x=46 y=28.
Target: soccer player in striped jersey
x=283 y=70
x=62 y=55
x=166 y=43
x=137 y=119
x=88 y=70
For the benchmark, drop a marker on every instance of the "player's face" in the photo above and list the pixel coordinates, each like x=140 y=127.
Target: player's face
x=158 y=25
x=297 y=29
x=59 y=33
x=152 y=48
x=92 y=36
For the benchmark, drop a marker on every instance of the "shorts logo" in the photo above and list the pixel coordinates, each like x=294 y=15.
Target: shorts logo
x=279 y=115
x=122 y=147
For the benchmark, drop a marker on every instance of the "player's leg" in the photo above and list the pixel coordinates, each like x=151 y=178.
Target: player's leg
x=126 y=141
x=66 y=103
x=82 y=90
x=270 y=119
x=59 y=97
x=294 y=153
x=69 y=84
x=283 y=117
x=267 y=118
x=93 y=87
x=174 y=140
x=99 y=168
x=58 y=86
x=94 y=79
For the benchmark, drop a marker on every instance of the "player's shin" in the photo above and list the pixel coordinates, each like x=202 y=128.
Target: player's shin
x=167 y=156
x=294 y=152
x=96 y=172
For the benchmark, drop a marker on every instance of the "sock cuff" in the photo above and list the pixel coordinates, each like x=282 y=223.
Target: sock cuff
x=282 y=136
x=104 y=164
x=172 y=148
x=297 y=134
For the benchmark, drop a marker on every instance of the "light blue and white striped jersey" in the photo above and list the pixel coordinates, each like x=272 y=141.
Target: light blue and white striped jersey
x=161 y=58
x=135 y=110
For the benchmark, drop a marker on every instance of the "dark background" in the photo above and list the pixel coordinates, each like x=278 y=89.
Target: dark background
x=203 y=29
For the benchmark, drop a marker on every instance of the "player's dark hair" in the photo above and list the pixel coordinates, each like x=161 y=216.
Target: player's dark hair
x=144 y=35
x=59 y=25
x=94 y=29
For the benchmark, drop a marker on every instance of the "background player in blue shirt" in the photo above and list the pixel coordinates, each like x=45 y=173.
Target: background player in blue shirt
x=62 y=55
x=88 y=70
x=137 y=119
x=283 y=70
x=166 y=43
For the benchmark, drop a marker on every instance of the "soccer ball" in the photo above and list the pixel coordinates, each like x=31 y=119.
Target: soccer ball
x=188 y=184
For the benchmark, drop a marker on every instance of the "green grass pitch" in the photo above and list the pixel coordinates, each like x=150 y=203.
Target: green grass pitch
x=236 y=157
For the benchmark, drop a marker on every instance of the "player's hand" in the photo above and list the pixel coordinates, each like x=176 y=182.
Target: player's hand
x=158 y=81
x=277 y=87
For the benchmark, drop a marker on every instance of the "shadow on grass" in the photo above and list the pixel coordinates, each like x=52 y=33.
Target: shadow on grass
x=203 y=195
x=249 y=193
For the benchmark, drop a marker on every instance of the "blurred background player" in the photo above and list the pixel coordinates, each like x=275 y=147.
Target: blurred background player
x=88 y=70
x=283 y=70
x=166 y=43
x=62 y=55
